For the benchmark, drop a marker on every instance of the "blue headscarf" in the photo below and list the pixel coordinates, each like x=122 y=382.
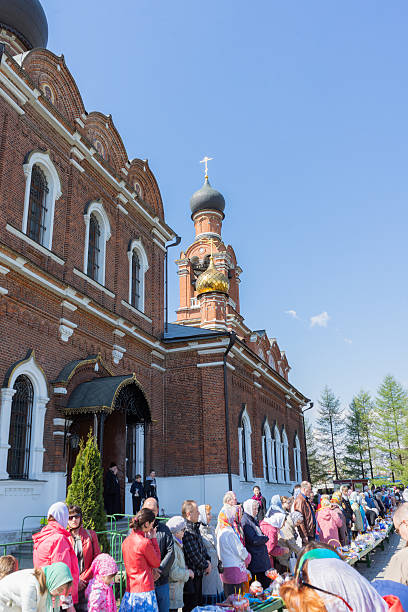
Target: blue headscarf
x=275 y=506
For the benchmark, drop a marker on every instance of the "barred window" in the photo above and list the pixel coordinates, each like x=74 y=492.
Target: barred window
x=135 y=292
x=94 y=250
x=37 y=210
x=18 y=460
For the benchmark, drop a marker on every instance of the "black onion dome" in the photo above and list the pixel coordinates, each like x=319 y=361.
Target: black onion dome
x=26 y=19
x=207 y=198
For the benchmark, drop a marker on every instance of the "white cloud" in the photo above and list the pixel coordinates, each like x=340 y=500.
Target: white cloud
x=348 y=341
x=321 y=320
x=292 y=313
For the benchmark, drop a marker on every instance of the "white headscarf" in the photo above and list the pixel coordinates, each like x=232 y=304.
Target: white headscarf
x=338 y=577
x=249 y=507
x=202 y=514
x=59 y=511
x=355 y=497
x=276 y=520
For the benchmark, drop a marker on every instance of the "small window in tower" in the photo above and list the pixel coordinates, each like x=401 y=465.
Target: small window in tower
x=94 y=248
x=135 y=297
x=138 y=190
x=37 y=211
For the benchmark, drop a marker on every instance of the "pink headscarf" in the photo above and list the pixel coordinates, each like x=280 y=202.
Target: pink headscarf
x=103 y=565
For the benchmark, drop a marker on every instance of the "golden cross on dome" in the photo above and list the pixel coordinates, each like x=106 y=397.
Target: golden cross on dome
x=205 y=161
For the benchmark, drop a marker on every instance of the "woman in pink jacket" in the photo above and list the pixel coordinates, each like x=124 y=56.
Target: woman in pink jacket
x=329 y=522
x=271 y=526
x=53 y=544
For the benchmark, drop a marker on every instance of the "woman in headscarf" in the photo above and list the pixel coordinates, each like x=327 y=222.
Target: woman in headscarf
x=255 y=542
x=33 y=589
x=288 y=537
x=271 y=526
x=343 y=534
x=53 y=544
x=358 y=525
x=231 y=550
x=99 y=592
x=325 y=583
x=275 y=506
x=213 y=591
x=328 y=522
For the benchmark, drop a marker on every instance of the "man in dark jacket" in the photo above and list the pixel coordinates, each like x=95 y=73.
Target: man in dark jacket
x=111 y=490
x=306 y=529
x=137 y=493
x=150 y=486
x=195 y=555
x=166 y=545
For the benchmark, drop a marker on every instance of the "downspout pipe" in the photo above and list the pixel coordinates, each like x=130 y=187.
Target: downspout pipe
x=233 y=338
x=166 y=311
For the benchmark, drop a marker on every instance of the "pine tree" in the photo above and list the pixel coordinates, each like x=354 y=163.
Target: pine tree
x=355 y=448
x=391 y=409
x=330 y=428
x=86 y=488
x=319 y=471
x=364 y=403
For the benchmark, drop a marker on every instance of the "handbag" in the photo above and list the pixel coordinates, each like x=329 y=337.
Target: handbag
x=220 y=566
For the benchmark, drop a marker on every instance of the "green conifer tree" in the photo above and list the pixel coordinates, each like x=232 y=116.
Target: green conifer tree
x=391 y=409
x=330 y=429
x=319 y=470
x=86 y=488
x=364 y=403
x=354 y=464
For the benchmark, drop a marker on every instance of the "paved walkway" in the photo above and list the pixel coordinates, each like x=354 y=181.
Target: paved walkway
x=380 y=559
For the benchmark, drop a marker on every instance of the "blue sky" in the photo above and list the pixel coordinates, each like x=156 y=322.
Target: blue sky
x=303 y=106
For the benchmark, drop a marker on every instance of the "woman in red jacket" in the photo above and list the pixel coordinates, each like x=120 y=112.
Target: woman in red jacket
x=271 y=526
x=86 y=547
x=141 y=555
x=52 y=544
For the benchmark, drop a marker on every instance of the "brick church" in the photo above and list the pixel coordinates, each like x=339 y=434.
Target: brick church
x=204 y=401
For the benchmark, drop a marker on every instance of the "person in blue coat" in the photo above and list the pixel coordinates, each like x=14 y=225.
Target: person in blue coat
x=255 y=543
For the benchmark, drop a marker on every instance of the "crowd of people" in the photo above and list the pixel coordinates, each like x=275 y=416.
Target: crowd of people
x=188 y=562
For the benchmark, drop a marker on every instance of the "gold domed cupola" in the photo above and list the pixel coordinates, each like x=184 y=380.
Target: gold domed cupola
x=212 y=280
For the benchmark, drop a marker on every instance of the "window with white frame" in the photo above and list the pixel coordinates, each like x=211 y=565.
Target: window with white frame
x=280 y=472
x=285 y=446
x=97 y=233
x=297 y=460
x=138 y=266
x=22 y=408
x=42 y=189
x=268 y=455
x=244 y=445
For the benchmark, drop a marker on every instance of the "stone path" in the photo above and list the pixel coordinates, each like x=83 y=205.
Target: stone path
x=380 y=559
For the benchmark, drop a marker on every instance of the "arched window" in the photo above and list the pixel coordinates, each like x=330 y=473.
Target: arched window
x=279 y=456
x=23 y=402
x=286 y=456
x=42 y=189
x=94 y=250
x=245 y=454
x=297 y=460
x=97 y=233
x=18 y=460
x=138 y=266
x=271 y=361
x=135 y=293
x=268 y=458
x=37 y=209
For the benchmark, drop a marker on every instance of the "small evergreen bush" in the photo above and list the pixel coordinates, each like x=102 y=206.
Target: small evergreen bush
x=86 y=488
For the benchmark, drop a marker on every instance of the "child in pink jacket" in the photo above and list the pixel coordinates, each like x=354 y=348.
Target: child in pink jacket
x=329 y=522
